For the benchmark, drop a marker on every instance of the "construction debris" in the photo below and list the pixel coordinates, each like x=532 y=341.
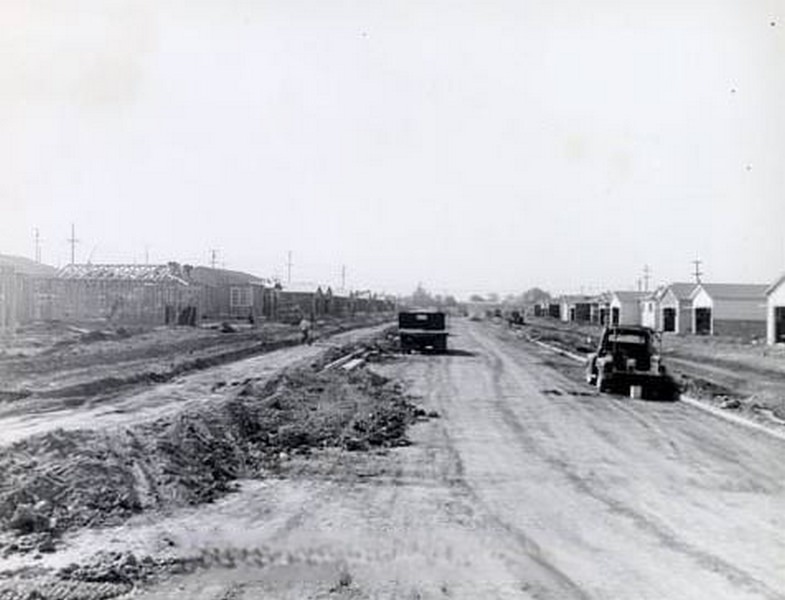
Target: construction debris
x=62 y=480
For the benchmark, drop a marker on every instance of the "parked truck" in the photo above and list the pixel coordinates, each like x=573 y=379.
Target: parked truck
x=423 y=330
x=627 y=360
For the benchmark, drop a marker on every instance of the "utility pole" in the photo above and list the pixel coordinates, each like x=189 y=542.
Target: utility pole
x=343 y=277
x=289 y=267
x=698 y=272
x=73 y=241
x=147 y=254
x=37 y=245
x=213 y=257
x=646 y=277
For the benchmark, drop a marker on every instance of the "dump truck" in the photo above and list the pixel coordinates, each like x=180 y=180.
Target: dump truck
x=626 y=361
x=423 y=330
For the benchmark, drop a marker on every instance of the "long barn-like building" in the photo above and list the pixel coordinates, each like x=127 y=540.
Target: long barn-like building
x=163 y=294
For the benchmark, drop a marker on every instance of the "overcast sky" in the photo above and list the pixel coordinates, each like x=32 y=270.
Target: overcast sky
x=473 y=146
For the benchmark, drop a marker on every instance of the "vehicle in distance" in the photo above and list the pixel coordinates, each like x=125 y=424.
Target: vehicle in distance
x=515 y=317
x=626 y=357
x=422 y=330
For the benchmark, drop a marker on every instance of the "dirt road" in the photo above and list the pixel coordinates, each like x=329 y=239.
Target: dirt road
x=528 y=486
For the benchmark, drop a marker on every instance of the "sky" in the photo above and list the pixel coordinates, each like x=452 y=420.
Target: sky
x=468 y=146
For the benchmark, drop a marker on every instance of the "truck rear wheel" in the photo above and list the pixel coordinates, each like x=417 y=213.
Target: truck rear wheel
x=602 y=384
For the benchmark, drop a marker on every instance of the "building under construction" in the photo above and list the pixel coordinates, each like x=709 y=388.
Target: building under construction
x=122 y=294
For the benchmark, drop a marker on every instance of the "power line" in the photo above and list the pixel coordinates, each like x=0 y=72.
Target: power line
x=37 y=245
x=73 y=241
x=697 y=273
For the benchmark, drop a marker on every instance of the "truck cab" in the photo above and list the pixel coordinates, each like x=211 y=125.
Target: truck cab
x=626 y=356
x=423 y=330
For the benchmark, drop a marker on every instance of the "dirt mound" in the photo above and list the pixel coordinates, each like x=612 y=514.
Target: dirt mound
x=64 y=480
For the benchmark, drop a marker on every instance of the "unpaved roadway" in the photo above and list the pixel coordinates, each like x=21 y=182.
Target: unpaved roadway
x=528 y=486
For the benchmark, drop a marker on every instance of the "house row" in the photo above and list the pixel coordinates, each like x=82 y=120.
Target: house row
x=166 y=294
x=747 y=311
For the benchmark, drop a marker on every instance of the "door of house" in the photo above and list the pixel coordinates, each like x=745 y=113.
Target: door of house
x=615 y=315
x=779 y=324
x=669 y=319
x=703 y=321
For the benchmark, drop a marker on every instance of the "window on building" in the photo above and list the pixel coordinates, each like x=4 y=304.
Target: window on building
x=240 y=297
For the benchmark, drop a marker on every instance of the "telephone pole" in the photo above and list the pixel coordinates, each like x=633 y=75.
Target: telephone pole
x=73 y=241
x=697 y=273
x=289 y=267
x=37 y=245
x=343 y=277
x=213 y=257
x=646 y=277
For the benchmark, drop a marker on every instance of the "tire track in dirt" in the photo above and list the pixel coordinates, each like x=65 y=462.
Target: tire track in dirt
x=550 y=582
x=662 y=533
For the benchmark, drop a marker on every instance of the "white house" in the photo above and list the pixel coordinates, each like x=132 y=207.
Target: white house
x=650 y=309
x=676 y=308
x=625 y=307
x=576 y=308
x=731 y=309
x=775 y=312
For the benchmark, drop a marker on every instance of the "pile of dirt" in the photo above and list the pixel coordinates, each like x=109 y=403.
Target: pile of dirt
x=64 y=480
x=115 y=567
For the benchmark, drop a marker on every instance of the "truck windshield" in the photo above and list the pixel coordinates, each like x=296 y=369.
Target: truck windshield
x=627 y=338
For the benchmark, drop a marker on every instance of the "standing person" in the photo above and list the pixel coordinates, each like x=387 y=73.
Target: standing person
x=305 y=330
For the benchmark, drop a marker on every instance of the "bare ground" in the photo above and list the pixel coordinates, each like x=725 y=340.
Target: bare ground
x=530 y=485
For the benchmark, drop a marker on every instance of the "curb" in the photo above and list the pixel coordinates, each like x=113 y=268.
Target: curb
x=705 y=407
x=733 y=418
x=557 y=350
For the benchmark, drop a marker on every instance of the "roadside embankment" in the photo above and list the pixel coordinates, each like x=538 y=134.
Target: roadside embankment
x=63 y=480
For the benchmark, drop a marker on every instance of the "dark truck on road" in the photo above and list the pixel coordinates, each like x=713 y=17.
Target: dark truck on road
x=422 y=330
x=625 y=359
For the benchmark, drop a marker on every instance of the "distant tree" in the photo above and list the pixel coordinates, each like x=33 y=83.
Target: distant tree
x=492 y=297
x=535 y=295
x=421 y=297
x=450 y=301
x=476 y=298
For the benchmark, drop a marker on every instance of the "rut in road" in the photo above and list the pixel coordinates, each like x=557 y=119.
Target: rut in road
x=505 y=370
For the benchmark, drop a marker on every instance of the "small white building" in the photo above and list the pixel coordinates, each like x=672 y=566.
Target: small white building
x=576 y=308
x=676 y=308
x=650 y=309
x=730 y=309
x=625 y=307
x=775 y=312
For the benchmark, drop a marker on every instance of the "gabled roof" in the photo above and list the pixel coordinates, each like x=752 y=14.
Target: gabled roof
x=625 y=296
x=141 y=273
x=303 y=287
x=682 y=290
x=776 y=284
x=216 y=277
x=649 y=296
x=26 y=266
x=732 y=291
x=576 y=298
